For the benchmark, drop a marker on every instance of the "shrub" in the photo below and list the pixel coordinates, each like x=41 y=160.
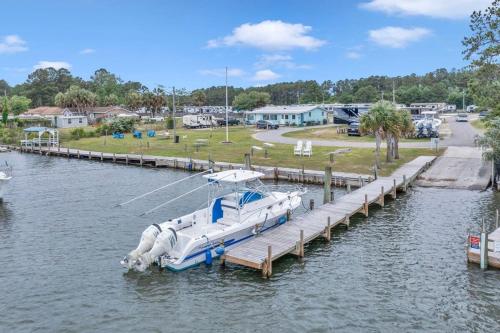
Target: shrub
x=170 y=123
x=122 y=125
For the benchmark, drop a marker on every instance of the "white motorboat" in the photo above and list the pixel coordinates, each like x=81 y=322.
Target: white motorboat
x=249 y=209
x=5 y=176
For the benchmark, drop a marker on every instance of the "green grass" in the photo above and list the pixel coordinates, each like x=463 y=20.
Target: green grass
x=330 y=133
x=360 y=160
x=478 y=124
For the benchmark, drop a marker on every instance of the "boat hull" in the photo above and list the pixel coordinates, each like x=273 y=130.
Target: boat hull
x=199 y=254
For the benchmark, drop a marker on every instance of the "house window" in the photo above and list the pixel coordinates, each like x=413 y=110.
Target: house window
x=309 y=114
x=286 y=117
x=265 y=117
x=273 y=117
x=250 y=117
x=322 y=113
x=69 y=121
x=80 y=120
x=293 y=117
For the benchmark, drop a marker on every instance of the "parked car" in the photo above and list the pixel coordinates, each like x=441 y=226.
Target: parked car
x=353 y=129
x=462 y=117
x=483 y=114
x=230 y=122
x=264 y=124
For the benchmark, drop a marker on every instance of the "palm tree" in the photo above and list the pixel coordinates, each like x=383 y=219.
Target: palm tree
x=373 y=122
x=405 y=128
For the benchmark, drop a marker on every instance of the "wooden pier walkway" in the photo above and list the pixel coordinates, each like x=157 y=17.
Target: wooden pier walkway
x=289 y=238
x=275 y=173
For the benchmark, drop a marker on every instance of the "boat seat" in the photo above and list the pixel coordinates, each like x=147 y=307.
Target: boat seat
x=228 y=204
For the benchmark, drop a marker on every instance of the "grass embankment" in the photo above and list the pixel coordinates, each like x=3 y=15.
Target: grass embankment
x=330 y=133
x=360 y=160
x=478 y=124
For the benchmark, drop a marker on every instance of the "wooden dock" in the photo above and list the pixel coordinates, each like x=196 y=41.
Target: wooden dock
x=190 y=164
x=492 y=253
x=289 y=238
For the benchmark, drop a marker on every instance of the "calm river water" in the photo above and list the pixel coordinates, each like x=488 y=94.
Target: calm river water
x=61 y=240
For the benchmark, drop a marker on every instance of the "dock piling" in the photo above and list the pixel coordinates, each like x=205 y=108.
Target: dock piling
x=299 y=246
x=327 y=185
x=348 y=187
x=267 y=268
x=394 y=189
x=382 y=194
x=311 y=204
x=483 y=246
x=404 y=183
x=365 y=205
x=496 y=220
x=328 y=234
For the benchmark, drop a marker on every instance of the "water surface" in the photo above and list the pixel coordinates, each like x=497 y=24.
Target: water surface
x=61 y=239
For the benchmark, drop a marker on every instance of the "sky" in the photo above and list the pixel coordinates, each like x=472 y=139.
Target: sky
x=189 y=43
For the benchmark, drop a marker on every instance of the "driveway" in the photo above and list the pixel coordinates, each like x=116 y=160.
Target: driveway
x=462 y=134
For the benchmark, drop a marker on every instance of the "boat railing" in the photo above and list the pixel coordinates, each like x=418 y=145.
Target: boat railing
x=286 y=188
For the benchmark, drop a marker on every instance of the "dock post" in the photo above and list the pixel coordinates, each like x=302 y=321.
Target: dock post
x=276 y=174
x=348 y=187
x=248 y=162
x=394 y=189
x=483 y=246
x=360 y=181
x=327 y=185
x=102 y=157
x=288 y=214
x=140 y=161
x=78 y=153
x=405 y=185
x=299 y=246
x=114 y=158
x=365 y=205
x=328 y=234
x=381 y=198
x=126 y=159
x=311 y=204
x=267 y=268
x=90 y=155
x=347 y=221
x=67 y=152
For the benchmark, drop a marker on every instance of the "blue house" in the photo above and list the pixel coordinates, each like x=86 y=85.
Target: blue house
x=289 y=115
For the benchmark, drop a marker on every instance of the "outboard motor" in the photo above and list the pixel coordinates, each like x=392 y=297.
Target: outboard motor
x=164 y=243
x=147 y=241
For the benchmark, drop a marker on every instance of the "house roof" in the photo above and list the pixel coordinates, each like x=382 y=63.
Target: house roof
x=45 y=111
x=107 y=109
x=287 y=109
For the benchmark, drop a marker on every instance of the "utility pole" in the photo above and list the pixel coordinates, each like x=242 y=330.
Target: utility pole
x=227 y=113
x=298 y=98
x=173 y=110
x=393 y=94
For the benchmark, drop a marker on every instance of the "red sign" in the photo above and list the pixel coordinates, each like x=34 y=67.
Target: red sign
x=474 y=242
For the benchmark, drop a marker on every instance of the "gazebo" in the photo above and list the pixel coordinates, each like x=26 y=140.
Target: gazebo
x=53 y=139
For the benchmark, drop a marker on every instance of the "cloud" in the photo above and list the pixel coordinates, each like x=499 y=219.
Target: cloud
x=12 y=44
x=278 y=60
x=451 y=9
x=265 y=75
x=270 y=35
x=87 y=51
x=221 y=72
x=397 y=37
x=53 y=64
x=353 y=55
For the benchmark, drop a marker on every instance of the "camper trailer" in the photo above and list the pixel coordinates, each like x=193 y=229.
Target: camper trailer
x=198 y=121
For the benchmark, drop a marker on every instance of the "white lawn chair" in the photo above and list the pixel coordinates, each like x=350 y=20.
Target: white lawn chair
x=308 y=149
x=297 y=150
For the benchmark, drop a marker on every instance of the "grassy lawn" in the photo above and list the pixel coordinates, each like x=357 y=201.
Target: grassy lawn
x=478 y=124
x=360 y=160
x=330 y=133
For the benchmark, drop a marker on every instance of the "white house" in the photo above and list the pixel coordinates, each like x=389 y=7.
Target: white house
x=289 y=115
x=59 y=117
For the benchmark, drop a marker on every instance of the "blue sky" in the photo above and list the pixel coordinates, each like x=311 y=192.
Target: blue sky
x=188 y=43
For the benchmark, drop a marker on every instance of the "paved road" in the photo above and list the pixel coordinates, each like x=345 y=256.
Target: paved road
x=462 y=134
